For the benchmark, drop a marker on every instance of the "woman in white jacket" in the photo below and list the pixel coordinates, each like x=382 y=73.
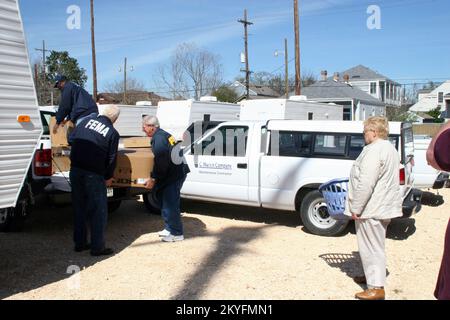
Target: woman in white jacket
x=373 y=200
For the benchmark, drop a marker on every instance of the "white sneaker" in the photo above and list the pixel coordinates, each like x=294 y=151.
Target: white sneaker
x=164 y=233
x=172 y=238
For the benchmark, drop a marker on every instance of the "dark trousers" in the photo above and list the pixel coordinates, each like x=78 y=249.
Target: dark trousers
x=90 y=205
x=170 y=207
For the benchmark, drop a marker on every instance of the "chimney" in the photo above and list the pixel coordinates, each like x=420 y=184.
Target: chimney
x=324 y=75
x=346 y=78
x=336 y=76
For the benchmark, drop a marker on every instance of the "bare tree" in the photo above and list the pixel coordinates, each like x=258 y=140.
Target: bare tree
x=191 y=72
x=135 y=91
x=277 y=81
x=117 y=86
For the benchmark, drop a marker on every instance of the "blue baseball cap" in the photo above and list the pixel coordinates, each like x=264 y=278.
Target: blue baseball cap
x=59 y=78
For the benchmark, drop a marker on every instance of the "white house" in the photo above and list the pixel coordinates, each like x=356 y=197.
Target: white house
x=358 y=105
x=375 y=84
x=439 y=97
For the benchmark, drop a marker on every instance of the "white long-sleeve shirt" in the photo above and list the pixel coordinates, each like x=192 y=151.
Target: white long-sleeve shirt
x=374 y=184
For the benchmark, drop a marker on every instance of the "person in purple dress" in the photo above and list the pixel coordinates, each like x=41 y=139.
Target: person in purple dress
x=438 y=156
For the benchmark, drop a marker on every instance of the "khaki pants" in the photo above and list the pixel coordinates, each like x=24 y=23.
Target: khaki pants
x=371 y=236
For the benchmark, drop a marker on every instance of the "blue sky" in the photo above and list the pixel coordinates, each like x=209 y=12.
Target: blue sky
x=411 y=46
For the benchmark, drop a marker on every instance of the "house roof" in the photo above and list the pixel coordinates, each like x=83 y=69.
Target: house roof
x=331 y=89
x=132 y=95
x=361 y=72
x=424 y=115
x=264 y=91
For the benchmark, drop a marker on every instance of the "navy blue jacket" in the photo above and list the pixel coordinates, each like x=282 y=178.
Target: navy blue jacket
x=94 y=146
x=75 y=103
x=165 y=169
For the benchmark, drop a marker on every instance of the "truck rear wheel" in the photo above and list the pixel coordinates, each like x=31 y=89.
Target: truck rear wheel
x=151 y=203
x=315 y=216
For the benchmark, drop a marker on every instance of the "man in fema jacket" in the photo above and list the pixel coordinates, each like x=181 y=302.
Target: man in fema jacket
x=167 y=178
x=93 y=159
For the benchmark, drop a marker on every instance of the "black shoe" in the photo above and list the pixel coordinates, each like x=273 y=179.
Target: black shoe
x=104 y=252
x=82 y=248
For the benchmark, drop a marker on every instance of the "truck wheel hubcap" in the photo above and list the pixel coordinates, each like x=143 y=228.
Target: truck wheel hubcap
x=319 y=216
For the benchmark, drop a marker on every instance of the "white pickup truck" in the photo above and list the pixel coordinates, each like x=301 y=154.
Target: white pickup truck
x=280 y=164
x=425 y=176
x=57 y=182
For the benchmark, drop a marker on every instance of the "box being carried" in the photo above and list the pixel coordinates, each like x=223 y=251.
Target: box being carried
x=60 y=138
x=133 y=167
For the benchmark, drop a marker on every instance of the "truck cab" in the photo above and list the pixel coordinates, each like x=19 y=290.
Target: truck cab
x=280 y=164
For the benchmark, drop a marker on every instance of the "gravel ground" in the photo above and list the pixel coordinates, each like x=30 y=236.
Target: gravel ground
x=230 y=252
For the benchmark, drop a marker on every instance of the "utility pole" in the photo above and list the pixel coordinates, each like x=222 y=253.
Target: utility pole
x=247 y=71
x=125 y=82
x=286 y=67
x=298 y=90
x=125 y=79
x=94 y=60
x=36 y=79
x=44 y=76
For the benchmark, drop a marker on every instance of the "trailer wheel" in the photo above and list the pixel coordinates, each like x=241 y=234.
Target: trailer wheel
x=151 y=203
x=315 y=216
x=13 y=219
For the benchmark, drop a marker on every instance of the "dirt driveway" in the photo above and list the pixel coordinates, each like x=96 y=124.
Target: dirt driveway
x=230 y=252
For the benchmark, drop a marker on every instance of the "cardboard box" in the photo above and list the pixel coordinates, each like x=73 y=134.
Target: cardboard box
x=60 y=159
x=60 y=138
x=137 y=142
x=133 y=167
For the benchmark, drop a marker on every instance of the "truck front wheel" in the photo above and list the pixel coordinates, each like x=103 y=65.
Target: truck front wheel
x=315 y=216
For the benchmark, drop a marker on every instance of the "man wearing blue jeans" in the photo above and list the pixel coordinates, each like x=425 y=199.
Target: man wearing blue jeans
x=93 y=159
x=167 y=178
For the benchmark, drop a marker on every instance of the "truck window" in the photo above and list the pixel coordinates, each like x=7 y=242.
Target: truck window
x=294 y=144
x=228 y=141
x=330 y=144
x=45 y=120
x=408 y=144
x=357 y=144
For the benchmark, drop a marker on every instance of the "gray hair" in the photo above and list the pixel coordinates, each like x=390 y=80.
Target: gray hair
x=380 y=125
x=112 y=112
x=151 y=120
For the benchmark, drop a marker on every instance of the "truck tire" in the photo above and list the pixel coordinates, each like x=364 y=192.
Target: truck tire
x=113 y=205
x=315 y=216
x=151 y=204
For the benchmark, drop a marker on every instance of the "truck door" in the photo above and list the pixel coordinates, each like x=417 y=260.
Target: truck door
x=219 y=165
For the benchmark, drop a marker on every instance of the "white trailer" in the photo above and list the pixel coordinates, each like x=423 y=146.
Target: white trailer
x=20 y=124
x=176 y=116
x=129 y=123
x=283 y=109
